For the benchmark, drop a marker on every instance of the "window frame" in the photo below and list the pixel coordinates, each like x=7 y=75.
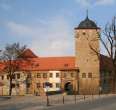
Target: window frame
x=38 y=75
x=83 y=75
x=2 y=77
x=90 y=75
x=51 y=75
x=57 y=75
x=57 y=85
x=44 y=75
x=18 y=76
x=38 y=85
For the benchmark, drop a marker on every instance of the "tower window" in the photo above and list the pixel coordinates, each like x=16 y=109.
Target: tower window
x=83 y=75
x=84 y=33
x=89 y=75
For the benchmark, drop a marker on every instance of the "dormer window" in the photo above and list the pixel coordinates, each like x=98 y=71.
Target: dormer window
x=37 y=65
x=66 y=65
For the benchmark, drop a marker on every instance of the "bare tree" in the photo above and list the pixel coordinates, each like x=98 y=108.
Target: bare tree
x=108 y=40
x=9 y=57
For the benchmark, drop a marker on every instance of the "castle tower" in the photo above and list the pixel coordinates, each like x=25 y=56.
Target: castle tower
x=86 y=40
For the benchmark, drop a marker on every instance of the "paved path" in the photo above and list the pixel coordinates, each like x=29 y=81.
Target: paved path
x=39 y=103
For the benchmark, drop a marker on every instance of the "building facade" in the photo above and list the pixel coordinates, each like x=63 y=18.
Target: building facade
x=84 y=73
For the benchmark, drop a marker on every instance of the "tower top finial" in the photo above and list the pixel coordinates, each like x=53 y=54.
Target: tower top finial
x=87 y=13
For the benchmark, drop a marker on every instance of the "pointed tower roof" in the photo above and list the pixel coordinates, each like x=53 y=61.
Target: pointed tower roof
x=28 y=54
x=87 y=24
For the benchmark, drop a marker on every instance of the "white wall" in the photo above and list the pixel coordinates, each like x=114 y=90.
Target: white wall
x=54 y=80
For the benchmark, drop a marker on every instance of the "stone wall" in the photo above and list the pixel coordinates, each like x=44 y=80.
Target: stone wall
x=87 y=60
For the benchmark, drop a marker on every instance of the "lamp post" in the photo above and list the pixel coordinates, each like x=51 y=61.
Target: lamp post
x=78 y=81
x=76 y=85
x=47 y=85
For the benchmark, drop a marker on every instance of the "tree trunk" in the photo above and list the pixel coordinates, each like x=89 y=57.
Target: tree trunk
x=114 y=81
x=10 y=87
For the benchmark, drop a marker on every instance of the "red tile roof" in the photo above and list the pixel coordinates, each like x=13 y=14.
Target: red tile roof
x=30 y=62
x=48 y=63
x=1 y=66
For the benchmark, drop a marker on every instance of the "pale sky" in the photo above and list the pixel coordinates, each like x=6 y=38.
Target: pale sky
x=47 y=26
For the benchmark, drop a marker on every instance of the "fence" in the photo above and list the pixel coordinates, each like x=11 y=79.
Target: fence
x=68 y=99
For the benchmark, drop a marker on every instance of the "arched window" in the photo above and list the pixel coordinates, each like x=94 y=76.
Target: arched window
x=83 y=75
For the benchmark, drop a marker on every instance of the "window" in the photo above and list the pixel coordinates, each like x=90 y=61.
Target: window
x=51 y=85
x=57 y=85
x=43 y=85
x=102 y=74
x=89 y=75
x=57 y=75
x=13 y=85
x=51 y=75
x=7 y=76
x=44 y=75
x=38 y=85
x=64 y=74
x=2 y=77
x=29 y=75
x=104 y=81
x=83 y=75
x=18 y=76
x=28 y=85
x=110 y=73
x=72 y=74
x=38 y=75
x=13 y=76
x=66 y=65
x=17 y=85
x=84 y=33
x=36 y=64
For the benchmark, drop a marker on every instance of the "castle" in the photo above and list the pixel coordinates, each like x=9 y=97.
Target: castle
x=84 y=73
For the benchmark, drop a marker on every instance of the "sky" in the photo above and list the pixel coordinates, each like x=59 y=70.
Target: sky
x=47 y=26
